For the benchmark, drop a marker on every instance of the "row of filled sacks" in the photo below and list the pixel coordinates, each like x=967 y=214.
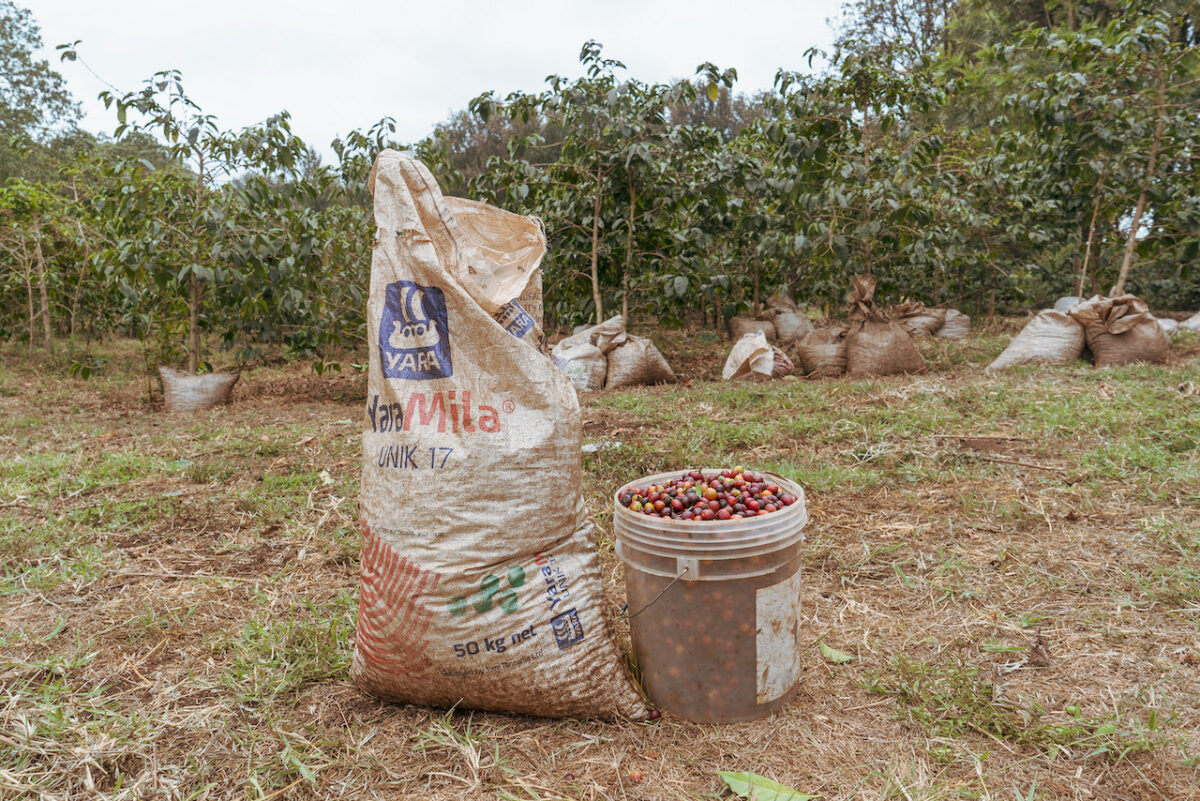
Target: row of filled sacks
x=1113 y=331
x=857 y=348
x=606 y=356
x=784 y=323
x=875 y=341
x=1169 y=326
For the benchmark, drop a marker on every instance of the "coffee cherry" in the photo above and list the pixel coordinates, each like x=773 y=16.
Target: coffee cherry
x=724 y=495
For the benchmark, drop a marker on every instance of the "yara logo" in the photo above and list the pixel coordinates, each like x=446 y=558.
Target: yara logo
x=414 y=333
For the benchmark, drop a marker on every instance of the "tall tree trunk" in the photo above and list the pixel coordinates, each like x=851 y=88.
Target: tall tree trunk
x=43 y=295
x=596 y=248
x=866 y=143
x=628 y=255
x=195 y=290
x=194 y=323
x=1087 y=253
x=1151 y=173
x=83 y=265
x=29 y=291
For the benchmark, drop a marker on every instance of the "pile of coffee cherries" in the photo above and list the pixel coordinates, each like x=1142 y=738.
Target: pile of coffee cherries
x=723 y=495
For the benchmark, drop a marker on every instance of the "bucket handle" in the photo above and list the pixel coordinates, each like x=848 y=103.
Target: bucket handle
x=625 y=608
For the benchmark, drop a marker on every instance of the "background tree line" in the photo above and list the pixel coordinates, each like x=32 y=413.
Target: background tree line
x=987 y=155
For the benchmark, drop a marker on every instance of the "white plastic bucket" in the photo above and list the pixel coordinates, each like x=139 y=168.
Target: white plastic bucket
x=714 y=606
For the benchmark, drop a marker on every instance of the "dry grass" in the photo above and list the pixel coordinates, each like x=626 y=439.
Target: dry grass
x=177 y=596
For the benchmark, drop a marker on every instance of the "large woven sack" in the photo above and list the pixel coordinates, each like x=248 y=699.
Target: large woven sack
x=782 y=365
x=875 y=344
x=1170 y=327
x=790 y=323
x=917 y=320
x=881 y=347
x=791 y=326
x=1191 y=324
x=1121 y=330
x=1052 y=337
x=476 y=591
x=740 y=326
x=822 y=354
x=1065 y=303
x=956 y=325
x=501 y=254
x=605 y=336
x=637 y=362
x=780 y=302
x=184 y=392
x=582 y=355
x=751 y=357
x=584 y=364
x=531 y=299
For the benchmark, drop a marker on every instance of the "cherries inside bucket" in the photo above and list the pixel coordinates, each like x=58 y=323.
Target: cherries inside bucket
x=699 y=496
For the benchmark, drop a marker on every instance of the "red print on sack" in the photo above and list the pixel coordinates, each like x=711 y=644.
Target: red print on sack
x=392 y=619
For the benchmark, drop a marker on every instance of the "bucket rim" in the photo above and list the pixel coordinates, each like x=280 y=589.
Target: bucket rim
x=712 y=525
x=708 y=540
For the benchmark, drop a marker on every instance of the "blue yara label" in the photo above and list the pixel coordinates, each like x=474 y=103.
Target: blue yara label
x=567 y=628
x=515 y=319
x=414 y=333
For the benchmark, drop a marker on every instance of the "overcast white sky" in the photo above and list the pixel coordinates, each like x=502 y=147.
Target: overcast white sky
x=337 y=66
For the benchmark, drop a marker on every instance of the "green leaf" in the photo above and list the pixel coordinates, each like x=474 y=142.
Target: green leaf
x=714 y=92
x=753 y=787
x=834 y=655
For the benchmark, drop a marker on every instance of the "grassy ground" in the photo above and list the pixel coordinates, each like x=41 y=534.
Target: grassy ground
x=177 y=593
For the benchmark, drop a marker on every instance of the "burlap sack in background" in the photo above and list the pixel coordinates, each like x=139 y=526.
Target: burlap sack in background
x=917 y=320
x=876 y=345
x=584 y=364
x=790 y=323
x=637 y=362
x=1170 y=327
x=605 y=336
x=184 y=392
x=880 y=347
x=1052 y=337
x=750 y=358
x=740 y=326
x=783 y=365
x=1121 y=330
x=582 y=356
x=1191 y=324
x=956 y=325
x=475 y=590
x=822 y=354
